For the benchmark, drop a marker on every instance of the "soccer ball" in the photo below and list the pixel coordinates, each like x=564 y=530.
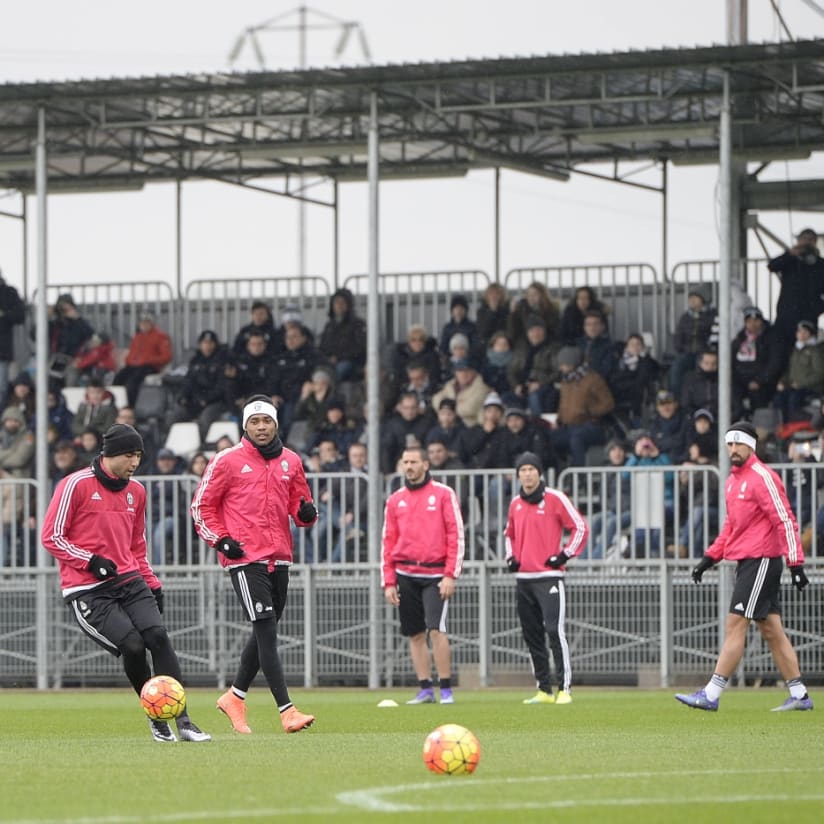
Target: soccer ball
x=451 y=750
x=163 y=698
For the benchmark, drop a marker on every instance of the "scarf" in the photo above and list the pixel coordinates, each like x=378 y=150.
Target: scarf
x=113 y=484
x=269 y=450
x=424 y=482
x=536 y=496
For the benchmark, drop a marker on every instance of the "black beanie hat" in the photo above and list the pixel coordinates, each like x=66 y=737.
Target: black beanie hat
x=529 y=458
x=121 y=438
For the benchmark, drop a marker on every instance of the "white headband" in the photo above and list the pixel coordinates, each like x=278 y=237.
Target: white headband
x=737 y=436
x=259 y=408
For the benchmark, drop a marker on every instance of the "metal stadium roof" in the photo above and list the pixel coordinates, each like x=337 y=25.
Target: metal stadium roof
x=546 y=115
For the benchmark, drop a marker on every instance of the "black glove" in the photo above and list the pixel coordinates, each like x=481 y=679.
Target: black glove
x=556 y=561
x=158 y=594
x=307 y=511
x=102 y=568
x=701 y=567
x=512 y=564
x=229 y=547
x=799 y=577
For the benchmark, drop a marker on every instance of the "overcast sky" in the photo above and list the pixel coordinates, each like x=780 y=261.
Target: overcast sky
x=425 y=226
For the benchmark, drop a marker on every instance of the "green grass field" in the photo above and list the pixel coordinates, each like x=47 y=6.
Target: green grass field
x=85 y=757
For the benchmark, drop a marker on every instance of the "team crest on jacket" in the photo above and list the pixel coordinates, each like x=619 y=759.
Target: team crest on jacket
x=130 y=499
x=742 y=490
x=284 y=465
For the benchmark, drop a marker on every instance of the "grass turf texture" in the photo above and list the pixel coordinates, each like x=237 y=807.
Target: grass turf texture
x=613 y=755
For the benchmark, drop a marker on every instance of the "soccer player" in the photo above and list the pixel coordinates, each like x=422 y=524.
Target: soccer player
x=759 y=532
x=535 y=526
x=95 y=527
x=422 y=553
x=241 y=507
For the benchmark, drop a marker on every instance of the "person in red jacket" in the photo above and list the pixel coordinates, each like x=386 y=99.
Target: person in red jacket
x=241 y=507
x=422 y=553
x=149 y=351
x=535 y=527
x=95 y=527
x=759 y=532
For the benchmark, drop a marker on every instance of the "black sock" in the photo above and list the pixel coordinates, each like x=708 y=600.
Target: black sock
x=445 y=683
x=426 y=683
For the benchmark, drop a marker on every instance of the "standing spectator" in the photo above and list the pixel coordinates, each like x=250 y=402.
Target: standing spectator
x=106 y=580
x=692 y=337
x=168 y=507
x=572 y=319
x=599 y=350
x=467 y=389
x=700 y=389
x=632 y=383
x=758 y=533
x=804 y=378
x=244 y=515
x=584 y=403
x=422 y=554
x=536 y=301
x=295 y=366
x=68 y=331
x=531 y=371
x=260 y=323
x=420 y=347
x=12 y=313
x=407 y=426
x=203 y=393
x=801 y=297
x=756 y=364
x=459 y=324
x=493 y=313
x=96 y=411
x=343 y=339
x=535 y=554
x=150 y=349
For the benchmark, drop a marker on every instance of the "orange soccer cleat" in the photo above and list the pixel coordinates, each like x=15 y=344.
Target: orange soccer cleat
x=235 y=709
x=294 y=720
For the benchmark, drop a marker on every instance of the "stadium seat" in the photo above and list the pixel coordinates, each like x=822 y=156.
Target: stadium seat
x=218 y=429
x=151 y=402
x=183 y=438
x=73 y=395
x=121 y=399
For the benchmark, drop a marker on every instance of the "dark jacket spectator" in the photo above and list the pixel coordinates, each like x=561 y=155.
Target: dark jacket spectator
x=449 y=430
x=756 y=363
x=459 y=324
x=296 y=363
x=669 y=425
x=599 y=351
x=12 y=313
x=483 y=441
x=632 y=383
x=572 y=319
x=520 y=434
x=493 y=313
x=96 y=411
x=343 y=339
x=420 y=347
x=253 y=371
x=68 y=330
x=536 y=301
x=496 y=362
x=700 y=389
x=205 y=383
x=261 y=323
x=406 y=426
x=58 y=415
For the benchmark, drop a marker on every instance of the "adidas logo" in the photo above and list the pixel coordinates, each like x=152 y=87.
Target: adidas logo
x=553 y=590
x=402 y=503
x=739 y=606
x=96 y=497
x=246 y=468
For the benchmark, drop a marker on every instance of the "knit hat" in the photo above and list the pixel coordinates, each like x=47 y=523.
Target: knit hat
x=208 y=334
x=530 y=459
x=808 y=325
x=13 y=413
x=493 y=399
x=119 y=439
x=458 y=300
x=535 y=320
x=458 y=339
x=570 y=356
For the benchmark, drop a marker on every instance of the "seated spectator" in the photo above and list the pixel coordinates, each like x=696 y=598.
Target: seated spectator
x=421 y=347
x=65 y=460
x=668 y=425
x=16 y=445
x=495 y=366
x=336 y=426
x=97 y=410
x=599 y=351
x=632 y=383
x=203 y=394
x=572 y=319
x=251 y=372
x=449 y=467
x=315 y=396
x=68 y=331
x=223 y=442
x=291 y=313
x=95 y=360
x=458 y=351
x=458 y=324
x=295 y=366
x=804 y=378
x=700 y=389
x=419 y=381
x=21 y=395
x=169 y=510
x=531 y=371
x=468 y=391
x=756 y=364
x=702 y=438
x=58 y=414
x=197 y=464
x=692 y=337
x=492 y=315
x=88 y=444
x=343 y=339
x=615 y=512
x=483 y=442
x=150 y=350
x=449 y=430
x=260 y=323
x=521 y=433
x=585 y=402
x=408 y=425
x=536 y=301
x=150 y=433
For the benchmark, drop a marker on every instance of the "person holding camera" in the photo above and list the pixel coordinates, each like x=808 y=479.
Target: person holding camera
x=241 y=507
x=535 y=554
x=760 y=531
x=801 y=297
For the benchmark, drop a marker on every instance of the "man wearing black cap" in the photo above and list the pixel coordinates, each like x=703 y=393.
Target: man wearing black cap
x=759 y=532
x=242 y=507
x=534 y=531
x=95 y=527
x=458 y=323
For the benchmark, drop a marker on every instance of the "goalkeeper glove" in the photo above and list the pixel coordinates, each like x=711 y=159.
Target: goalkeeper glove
x=512 y=564
x=102 y=568
x=158 y=594
x=307 y=511
x=799 y=577
x=556 y=561
x=229 y=547
x=701 y=567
